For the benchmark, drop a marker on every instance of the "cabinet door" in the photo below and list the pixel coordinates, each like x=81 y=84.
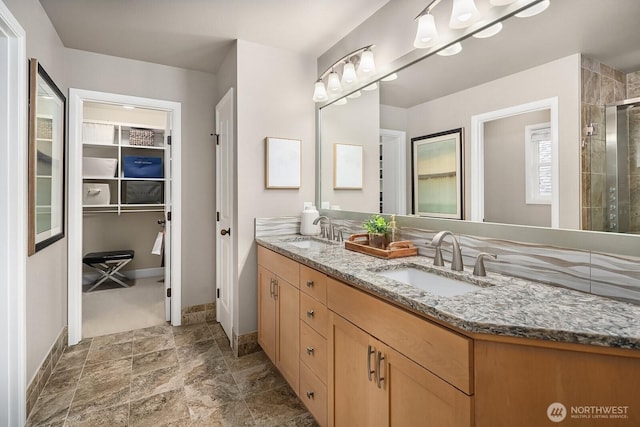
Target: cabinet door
x=266 y=312
x=288 y=331
x=353 y=395
x=415 y=396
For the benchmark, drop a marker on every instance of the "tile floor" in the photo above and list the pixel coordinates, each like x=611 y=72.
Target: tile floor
x=166 y=376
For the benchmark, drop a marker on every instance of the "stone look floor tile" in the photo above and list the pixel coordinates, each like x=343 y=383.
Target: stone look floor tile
x=61 y=381
x=105 y=371
x=110 y=340
x=248 y=361
x=151 y=361
x=190 y=334
x=212 y=393
x=92 y=396
x=305 y=420
x=117 y=416
x=258 y=379
x=202 y=369
x=51 y=409
x=72 y=360
x=216 y=330
x=154 y=382
x=113 y=352
x=147 y=345
x=152 y=331
x=275 y=407
x=235 y=414
x=159 y=409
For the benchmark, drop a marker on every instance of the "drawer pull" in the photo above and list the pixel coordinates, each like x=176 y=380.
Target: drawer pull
x=310 y=313
x=379 y=377
x=370 y=351
x=310 y=283
x=310 y=350
x=310 y=394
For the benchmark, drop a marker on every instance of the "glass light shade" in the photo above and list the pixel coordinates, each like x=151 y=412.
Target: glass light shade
x=320 y=92
x=534 y=10
x=367 y=65
x=390 y=78
x=427 y=34
x=349 y=74
x=340 y=101
x=463 y=14
x=501 y=2
x=489 y=32
x=355 y=94
x=333 y=84
x=372 y=86
x=451 y=50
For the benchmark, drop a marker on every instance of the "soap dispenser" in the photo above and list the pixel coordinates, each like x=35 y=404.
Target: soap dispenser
x=309 y=214
x=393 y=232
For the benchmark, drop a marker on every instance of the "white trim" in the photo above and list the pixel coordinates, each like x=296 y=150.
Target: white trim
x=13 y=224
x=477 y=154
x=76 y=99
x=400 y=169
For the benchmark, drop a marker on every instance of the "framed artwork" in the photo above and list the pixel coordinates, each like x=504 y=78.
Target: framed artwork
x=282 y=169
x=437 y=174
x=347 y=167
x=47 y=149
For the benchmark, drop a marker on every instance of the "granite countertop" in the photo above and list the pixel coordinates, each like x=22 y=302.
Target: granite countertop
x=502 y=305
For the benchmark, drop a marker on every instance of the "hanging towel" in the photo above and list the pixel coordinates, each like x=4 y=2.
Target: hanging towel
x=157 y=246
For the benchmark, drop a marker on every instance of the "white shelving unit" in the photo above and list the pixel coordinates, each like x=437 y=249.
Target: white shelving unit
x=117 y=148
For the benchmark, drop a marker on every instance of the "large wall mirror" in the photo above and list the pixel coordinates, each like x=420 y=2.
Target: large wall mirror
x=581 y=54
x=47 y=106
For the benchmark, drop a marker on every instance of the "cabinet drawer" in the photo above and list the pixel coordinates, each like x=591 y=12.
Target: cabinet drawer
x=282 y=266
x=313 y=394
x=313 y=283
x=441 y=351
x=314 y=314
x=313 y=351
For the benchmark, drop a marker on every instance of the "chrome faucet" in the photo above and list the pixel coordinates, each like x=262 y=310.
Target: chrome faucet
x=329 y=229
x=456 y=262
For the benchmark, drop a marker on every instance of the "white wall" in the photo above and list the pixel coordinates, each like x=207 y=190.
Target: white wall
x=274 y=93
x=46 y=293
x=559 y=78
x=394 y=118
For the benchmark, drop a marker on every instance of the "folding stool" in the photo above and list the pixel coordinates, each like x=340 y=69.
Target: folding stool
x=108 y=264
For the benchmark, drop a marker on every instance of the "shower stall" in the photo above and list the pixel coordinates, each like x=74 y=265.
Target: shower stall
x=621 y=192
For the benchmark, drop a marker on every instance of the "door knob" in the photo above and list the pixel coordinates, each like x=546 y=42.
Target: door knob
x=225 y=232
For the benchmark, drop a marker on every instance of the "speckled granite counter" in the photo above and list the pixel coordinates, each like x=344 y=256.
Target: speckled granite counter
x=502 y=306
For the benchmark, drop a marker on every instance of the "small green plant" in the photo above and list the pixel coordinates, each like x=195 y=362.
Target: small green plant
x=376 y=224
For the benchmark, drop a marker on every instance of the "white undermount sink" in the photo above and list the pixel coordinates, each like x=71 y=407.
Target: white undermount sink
x=308 y=244
x=430 y=282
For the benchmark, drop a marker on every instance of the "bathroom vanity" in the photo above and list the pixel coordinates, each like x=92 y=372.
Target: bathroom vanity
x=362 y=348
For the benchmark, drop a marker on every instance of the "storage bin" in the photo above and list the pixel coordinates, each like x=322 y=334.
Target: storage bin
x=144 y=137
x=142 y=167
x=96 y=194
x=99 y=167
x=143 y=192
x=97 y=133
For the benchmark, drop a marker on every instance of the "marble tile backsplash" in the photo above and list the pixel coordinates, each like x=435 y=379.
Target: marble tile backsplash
x=592 y=272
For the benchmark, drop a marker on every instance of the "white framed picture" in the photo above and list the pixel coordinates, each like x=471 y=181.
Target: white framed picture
x=347 y=166
x=282 y=169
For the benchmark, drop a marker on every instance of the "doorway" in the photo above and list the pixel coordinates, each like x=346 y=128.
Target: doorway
x=393 y=175
x=115 y=207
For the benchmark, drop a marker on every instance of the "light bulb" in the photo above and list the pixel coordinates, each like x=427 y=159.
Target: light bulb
x=534 y=10
x=489 y=32
x=451 y=50
x=340 y=101
x=427 y=34
x=367 y=65
x=463 y=13
x=349 y=77
x=320 y=92
x=333 y=84
x=355 y=94
x=501 y=2
x=391 y=77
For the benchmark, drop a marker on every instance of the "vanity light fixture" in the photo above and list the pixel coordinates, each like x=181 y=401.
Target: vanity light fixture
x=357 y=65
x=534 y=10
x=451 y=50
x=128 y=107
x=372 y=86
x=463 y=14
x=340 y=101
x=489 y=32
x=355 y=94
x=391 y=77
x=500 y=2
x=427 y=34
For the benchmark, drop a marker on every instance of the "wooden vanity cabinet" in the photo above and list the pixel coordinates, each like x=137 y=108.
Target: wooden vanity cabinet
x=278 y=312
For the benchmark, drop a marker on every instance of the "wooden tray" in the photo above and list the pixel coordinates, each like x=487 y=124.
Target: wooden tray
x=360 y=243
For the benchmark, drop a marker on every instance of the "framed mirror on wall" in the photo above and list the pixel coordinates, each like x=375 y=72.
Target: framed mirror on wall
x=47 y=148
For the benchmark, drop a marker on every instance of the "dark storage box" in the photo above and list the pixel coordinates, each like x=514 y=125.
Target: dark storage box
x=142 y=167
x=143 y=192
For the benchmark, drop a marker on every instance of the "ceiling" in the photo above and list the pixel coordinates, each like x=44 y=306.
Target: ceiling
x=594 y=28
x=197 y=34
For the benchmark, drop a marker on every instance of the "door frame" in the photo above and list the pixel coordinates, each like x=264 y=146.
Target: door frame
x=13 y=214
x=400 y=168
x=76 y=99
x=227 y=98
x=477 y=154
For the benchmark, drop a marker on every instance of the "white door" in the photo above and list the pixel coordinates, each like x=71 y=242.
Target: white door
x=225 y=235
x=394 y=160
x=166 y=252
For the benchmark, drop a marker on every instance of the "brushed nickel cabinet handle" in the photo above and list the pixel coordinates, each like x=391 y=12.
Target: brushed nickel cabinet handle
x=275 y=288
x=370 y=351
x=310 y=350
x=310 y=313
x=310 y=283
x=379 y=377
x=310 y=394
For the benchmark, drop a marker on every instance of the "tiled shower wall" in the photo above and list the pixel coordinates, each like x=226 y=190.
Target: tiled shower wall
x=603 y=85
x=598 y=273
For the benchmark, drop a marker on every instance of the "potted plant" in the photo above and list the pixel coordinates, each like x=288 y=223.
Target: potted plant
x=376 y=226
